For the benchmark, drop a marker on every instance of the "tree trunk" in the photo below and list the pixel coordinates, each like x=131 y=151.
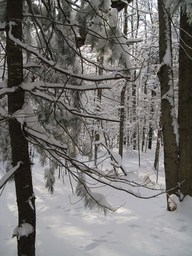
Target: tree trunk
x=134 y=116
x=99 y=123
x=19 y=144
x=122 y=119
x=151 y=129
x=150 y=142
x=168 y=122
x=185 y=105
x=157 y=150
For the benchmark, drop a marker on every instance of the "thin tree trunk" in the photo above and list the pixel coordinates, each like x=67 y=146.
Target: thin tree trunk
x=19 y=144
x=168 y=122
x=185 y=105
x=157 y=151
x=151 y=129
x=122 y=119
x=143 y=137
x=150 y=141
x=134 y=116
x=99 y=96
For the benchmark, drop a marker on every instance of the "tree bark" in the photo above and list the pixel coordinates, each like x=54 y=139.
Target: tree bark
x=19 y=144
x=122 y=119
x=168 y=122
x=185 y=105
x=134 y=116
x=157 y=150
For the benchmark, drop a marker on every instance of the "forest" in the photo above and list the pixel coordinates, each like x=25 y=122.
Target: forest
x=87 y=87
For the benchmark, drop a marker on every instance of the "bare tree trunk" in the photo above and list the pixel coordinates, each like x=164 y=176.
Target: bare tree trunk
x=150 y=141
x=122 y=119
x=19 y=144
x=185 y=105
x=168 y=122
x=99 y=123
x=134 y=116
x=151 y=129
x=157 y=150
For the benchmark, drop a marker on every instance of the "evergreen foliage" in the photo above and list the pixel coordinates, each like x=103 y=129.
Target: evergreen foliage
x=92 y=200
x=50 y=179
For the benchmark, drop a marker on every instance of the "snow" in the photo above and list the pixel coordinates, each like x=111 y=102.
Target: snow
x=174 y=5
x=113 y=18
x=131 y=41
x=24 y=230
x=2 y=25
x=4 y=91
x=138 y=227
x=56 y=67
x=29 y=122
x=7 y=176
x=174 y=202
x=42 y=85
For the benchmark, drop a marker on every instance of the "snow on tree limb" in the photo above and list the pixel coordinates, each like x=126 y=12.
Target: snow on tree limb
x=8 y=175
x=31 y=126
x=186 y=6
x=52 y=64
x=25 y=229
x=4 y=90
x=51 y=98
x=44 y=85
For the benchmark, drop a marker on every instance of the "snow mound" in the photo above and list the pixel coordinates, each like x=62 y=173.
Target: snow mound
x=174 y=202
x=24 y=230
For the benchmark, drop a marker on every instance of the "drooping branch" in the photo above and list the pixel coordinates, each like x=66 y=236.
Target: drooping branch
x=56 y=67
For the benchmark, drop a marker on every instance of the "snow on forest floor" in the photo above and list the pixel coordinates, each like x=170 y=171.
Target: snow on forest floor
x=140 y=227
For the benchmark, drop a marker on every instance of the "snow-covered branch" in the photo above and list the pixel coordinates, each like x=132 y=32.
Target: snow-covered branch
x=91 y=199
x=186 y=5
x=51 y=98
x=5 y=90
x=44 y=85
x=56 y=67
x=8 y=175
x=31 y=126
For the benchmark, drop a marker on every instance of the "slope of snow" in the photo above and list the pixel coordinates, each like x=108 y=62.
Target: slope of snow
x=64 y=227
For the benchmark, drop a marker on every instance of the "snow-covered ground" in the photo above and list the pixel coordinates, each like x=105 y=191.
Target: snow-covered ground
x=140 y=227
